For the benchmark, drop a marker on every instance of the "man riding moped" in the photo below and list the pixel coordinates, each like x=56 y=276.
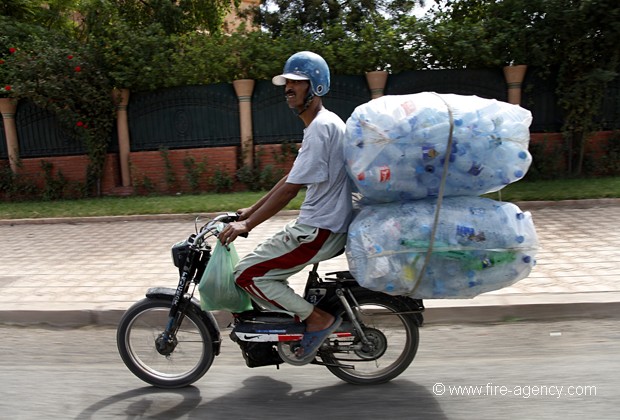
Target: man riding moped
x=319 y=233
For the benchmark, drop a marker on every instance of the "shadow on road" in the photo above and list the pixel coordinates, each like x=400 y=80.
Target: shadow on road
x=147 y=402
x=262 y=397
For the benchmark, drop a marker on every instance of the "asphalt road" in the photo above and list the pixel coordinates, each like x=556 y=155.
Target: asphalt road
x=551 y=370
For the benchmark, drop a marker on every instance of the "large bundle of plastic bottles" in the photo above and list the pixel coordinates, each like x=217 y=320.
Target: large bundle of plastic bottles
x=397 y=149
x=480 y=245
x=396 y=146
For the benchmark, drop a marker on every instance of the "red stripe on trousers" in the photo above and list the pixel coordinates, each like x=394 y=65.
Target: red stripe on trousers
x=302 y=254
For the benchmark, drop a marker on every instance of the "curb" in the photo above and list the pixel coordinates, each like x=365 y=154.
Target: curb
x=125 y=218
x=577 y=204
x=432 y=316
x=524 y=205
x=79 y=318
x=522 y=312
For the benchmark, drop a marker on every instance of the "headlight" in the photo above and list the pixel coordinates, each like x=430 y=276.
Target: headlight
x=179 y=253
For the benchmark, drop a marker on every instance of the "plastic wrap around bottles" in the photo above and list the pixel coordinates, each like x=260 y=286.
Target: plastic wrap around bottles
x=395 y=146
x=480 y=245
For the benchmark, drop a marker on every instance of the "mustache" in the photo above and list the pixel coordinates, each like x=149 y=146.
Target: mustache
x=289 y=91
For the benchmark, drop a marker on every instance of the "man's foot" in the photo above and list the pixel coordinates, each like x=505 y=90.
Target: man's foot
x=313 y=339
x=318 y=320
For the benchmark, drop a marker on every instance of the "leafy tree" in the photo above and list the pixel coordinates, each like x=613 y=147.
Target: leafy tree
x=68 y=65
x=484 y=33
x=51 y=14
x=573 y=41
x=147 y=45
x=60 y=75
x=19 y=9
x=583 y=38
x=134 y=57
x=354 y=36
x=174 y=17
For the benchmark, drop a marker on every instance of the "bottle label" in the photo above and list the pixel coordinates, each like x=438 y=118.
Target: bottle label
x=470 y=233
x=384 y=174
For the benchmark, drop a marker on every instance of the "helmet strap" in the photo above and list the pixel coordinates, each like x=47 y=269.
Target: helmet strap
x=307 y=103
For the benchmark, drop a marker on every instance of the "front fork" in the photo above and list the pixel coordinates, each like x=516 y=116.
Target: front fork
x=166 y=341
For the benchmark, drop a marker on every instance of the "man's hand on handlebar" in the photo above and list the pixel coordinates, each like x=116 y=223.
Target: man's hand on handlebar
x=231 y=231
x=244 y=213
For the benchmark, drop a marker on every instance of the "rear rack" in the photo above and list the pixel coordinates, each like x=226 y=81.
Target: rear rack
x=341 y=275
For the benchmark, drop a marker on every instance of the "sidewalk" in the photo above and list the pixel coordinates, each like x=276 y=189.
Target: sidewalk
x=84 y=271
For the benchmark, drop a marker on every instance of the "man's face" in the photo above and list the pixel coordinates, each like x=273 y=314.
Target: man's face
x=295 y=92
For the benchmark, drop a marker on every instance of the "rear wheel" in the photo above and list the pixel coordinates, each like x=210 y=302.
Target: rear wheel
x=391 y=342
x=164 y=362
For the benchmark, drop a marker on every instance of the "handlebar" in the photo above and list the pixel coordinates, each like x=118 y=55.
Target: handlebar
x=213 y=226
x=225 y=218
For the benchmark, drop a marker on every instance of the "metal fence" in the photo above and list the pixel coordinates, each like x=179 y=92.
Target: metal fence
x=208 y=116
x=484 y=83
x=184 y=117
x=273 y=122
x=3 y=152
x=40 y=135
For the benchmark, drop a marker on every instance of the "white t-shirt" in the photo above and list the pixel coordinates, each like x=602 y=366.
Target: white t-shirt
x=320 y=166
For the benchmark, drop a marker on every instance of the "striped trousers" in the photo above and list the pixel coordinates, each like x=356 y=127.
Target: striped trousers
x=264 y=272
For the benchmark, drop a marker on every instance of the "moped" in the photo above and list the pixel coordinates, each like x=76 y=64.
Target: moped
x=168 y=341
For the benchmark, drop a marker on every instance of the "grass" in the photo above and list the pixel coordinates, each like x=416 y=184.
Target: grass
x=123 y=206
x=567 y=189
x=560 y=189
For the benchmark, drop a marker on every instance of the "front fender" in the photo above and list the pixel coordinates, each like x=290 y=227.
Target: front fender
x=208 y=318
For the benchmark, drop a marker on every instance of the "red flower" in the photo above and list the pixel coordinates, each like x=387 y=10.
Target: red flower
x=1 y=61
x=7 y=88
x=12 y=50
x=78 y=69
x=69 y=57
x=80 y=124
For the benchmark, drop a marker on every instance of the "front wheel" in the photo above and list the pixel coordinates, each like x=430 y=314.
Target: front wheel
x=391 y=342
x=173 y=362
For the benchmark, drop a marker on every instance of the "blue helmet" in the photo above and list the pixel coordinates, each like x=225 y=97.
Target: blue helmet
x=306 y=65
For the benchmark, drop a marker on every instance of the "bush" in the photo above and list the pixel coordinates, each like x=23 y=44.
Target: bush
x=194 y=172
x=13 y=187
x=609 y=164
x=259 y=179
x=221 y=181
x=61 y=75
x=547 y=161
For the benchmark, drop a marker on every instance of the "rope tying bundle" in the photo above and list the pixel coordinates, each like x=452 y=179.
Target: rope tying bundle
x=440 y=195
